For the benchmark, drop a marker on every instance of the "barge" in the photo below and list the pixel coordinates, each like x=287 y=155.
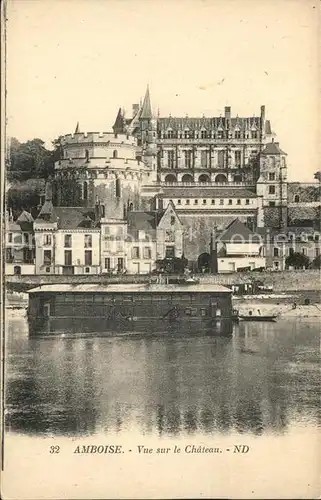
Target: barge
x=109 y=309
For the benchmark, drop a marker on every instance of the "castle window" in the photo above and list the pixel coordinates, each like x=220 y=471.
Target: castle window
x=173 y=220
x=203 y=134
x=237 y=134
x=10 y=238
x=47 y=269
x=68 y=241
x=221 y=202
x=271 y=189
x=204 y=159
x=115 y=153
x=296 y=198
x=187 y=202
x=271 y=203
x=47 y=239
x=230 y=202
x=178 y=202
x=276 y=252
x=85 y=191
x=147 y=253
x=135 y=253
x=118 y=190
x=317 y=252
x=316 y=237
x=170 y=134
x=186 y=134
x=195 y=202
x=254 y=134
x=238 y=158
x=220 y=134
x=213 y=202
x=107 y=263
x=247 y=202
x=204 y=202
x=238 y=202
x=88 y=257
x=87 y=269
x=88 y=240
x=68 y=258
x=47 y=257
x=170 y=159
x=271 y=177
x=188 y=159
x=304 y=251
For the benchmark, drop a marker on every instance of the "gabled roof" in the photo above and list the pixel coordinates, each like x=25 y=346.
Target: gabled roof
x=272 y=148
x=146 y=111
x=237 y=232
x=25 y=217
x=144 y=221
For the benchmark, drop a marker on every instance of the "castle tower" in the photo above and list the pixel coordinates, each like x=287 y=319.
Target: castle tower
x=272 y=185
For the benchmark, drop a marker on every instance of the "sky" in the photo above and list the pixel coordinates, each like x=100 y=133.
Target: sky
x=80 y=60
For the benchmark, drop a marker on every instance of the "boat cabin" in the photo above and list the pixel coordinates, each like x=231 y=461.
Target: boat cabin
x=94 y=307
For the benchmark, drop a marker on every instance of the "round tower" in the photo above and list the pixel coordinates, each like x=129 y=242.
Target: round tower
x=102 y=165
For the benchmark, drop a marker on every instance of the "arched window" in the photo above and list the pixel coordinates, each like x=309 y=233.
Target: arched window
x=204 y=178
x=187 y=178
x=85 y=191
x=170 y=178
x=220 y=178
x=296 y=198
x=115 y=153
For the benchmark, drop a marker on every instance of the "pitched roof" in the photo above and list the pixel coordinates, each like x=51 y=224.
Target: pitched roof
x=144 y=221
x=75 y=217
x=146 y=111
x=25 y=217
x=198 y=123
x=272 y=148
x=119 y=122
x=236 y=231
x=208 y=192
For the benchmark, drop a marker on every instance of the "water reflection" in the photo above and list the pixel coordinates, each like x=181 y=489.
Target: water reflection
x=263 y=378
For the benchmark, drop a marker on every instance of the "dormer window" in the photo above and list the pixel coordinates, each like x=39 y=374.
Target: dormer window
x=186 y=134
x=237 y=134
x=170 y=134
x=271 y=176
x=254 y=134
x=220 y=134
x=203 y=134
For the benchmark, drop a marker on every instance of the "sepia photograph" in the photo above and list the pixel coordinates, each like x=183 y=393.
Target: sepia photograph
x=161 y=227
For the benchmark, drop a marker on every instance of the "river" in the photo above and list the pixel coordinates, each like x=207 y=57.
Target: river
x=262 y=380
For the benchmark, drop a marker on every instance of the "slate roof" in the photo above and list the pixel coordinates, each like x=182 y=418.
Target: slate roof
x=208 y=123
x=146 y=111
x=143 y=221
x=236 y=232
x=75 y=217
x=25 y=217
x=272 y=148
x=199 y=192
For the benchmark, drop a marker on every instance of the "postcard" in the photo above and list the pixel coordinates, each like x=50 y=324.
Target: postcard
x=161 y=249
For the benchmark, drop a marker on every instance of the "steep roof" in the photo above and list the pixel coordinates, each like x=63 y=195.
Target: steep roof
x=146 y=111
x=25 y=217
x=118 y=126
x=236 y=231
x=75 y=217
x=199 y=192
x=198 y=123
x=144 y=221
x=272 y=148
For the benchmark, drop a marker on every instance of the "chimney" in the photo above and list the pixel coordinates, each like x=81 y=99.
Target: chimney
x=135 y=109
x=262 y=113
x=228 y=112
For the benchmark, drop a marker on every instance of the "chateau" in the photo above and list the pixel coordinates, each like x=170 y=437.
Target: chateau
x=160 y=187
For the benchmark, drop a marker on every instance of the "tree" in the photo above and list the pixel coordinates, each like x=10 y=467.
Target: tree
x=29 y=160
x=316 y=263
x=317 y=175
x=297 y=260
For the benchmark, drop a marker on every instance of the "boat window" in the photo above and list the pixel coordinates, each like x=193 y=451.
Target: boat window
x=203 y=311
x=191 y=311
x=99 y=298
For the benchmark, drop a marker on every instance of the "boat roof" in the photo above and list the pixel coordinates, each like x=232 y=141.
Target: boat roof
x=129 y=288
